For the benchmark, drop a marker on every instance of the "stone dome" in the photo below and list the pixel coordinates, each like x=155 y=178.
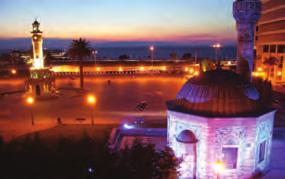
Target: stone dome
x=217 y=93
x=187 y=136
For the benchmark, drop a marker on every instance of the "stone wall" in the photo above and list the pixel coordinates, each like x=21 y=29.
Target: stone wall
x=215 y=133
x=264 y=132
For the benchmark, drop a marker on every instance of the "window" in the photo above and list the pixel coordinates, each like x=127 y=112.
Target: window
x=256 y=38
x=257 y=28
x=281 y=49
x=265 y=48
x=272 y=48
x=230 y=156
x=262 y=148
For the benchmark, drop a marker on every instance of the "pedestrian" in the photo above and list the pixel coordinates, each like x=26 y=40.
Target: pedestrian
x=59 y=122
x=109 y=82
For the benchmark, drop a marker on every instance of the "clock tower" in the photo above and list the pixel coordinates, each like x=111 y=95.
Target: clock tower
x=41 y=82
x=37 y=41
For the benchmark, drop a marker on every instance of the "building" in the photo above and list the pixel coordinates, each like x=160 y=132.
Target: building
x=220 y=117
x=41 y=82
x=217 y=117
x=270 y=40
x=220 y=124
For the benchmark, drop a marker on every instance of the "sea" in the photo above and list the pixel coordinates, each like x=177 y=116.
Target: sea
x=161 y=53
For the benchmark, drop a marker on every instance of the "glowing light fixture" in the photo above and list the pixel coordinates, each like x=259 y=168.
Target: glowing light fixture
x=219 y=167
x=196 y=73
x=151 y=48
x=30 y=100
x=14 y=72
x=127 y=126
x=91 y=99
x=217 y=45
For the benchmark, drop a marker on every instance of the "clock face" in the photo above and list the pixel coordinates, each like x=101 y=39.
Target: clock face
x=35 y=37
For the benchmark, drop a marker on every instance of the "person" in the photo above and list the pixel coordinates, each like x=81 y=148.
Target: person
x=59 y=122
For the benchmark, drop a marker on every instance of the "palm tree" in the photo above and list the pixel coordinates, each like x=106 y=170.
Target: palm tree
x=79 y=49
x=270 y=63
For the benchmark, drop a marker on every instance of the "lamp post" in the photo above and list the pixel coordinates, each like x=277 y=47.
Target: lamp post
x=94 y=53
x=151 y=48
x=217 y=48
x=14 y=71
x=30 y=102
x=219 y=168
x=91 y=101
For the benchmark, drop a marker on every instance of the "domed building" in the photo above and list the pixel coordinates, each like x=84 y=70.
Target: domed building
x=220 y=117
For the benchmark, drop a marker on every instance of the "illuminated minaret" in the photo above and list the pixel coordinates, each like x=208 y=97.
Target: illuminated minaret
x=37 y=41
x=246 y=14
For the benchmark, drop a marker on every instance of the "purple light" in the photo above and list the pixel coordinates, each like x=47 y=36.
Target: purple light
x=90 y=170
x=127 y=126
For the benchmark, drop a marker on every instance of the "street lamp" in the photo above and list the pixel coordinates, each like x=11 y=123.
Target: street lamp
x=91 y=101
x=30 y=102
x=14 y=71
x=219 y=168
x=94 y=53
x=151 y=48
x=217 y=48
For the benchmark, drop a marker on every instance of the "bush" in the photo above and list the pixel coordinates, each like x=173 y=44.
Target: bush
x=33 y=158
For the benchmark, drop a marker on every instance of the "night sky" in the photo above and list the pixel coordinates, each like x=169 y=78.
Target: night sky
x=177 y=21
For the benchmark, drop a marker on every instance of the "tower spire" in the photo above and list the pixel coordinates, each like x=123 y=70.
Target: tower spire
x=37 y=41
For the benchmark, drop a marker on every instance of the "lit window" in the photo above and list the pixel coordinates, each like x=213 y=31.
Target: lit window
x=262 y=148
x=230 y=156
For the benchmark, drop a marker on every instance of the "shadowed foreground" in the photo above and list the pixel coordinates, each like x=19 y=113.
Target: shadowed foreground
x=44 y=156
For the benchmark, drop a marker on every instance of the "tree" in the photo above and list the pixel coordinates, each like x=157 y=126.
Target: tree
x=79 y=49
x=187 y=56
x=124 y=57
x=142 y=160
x=270 y=63
x=173 y=56
x=87 y=158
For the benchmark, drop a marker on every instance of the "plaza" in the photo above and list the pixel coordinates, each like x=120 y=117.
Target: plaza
x=115 y=102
